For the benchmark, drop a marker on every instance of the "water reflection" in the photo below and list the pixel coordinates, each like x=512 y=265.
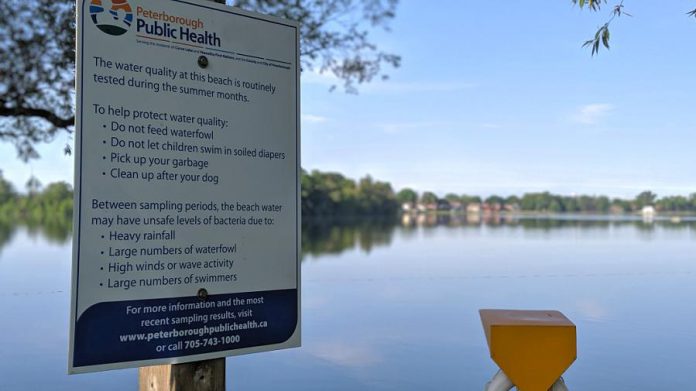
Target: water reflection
x=6 y=232
x=334 y=236
x=58 y=231
x=544 y=222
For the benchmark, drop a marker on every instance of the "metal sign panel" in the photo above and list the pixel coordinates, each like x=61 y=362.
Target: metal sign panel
x=186 y=243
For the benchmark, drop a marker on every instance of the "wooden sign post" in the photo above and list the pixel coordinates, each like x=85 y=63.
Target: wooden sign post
x=206 y=375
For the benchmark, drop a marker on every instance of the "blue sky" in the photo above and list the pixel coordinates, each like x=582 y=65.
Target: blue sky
x=500 y=98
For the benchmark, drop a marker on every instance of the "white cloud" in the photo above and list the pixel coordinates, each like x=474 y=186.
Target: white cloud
x=314 y=76
x=390 y=86
x=313 y=119
x=592 y=114
x=393 y=87
x=399 y=127
x=429 y=126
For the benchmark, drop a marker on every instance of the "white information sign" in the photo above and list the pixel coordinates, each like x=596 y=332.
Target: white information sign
x=186 y=242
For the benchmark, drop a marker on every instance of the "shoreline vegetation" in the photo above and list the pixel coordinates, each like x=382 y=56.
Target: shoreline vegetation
x=327 y=194
x=50 y=207
x=332 y=194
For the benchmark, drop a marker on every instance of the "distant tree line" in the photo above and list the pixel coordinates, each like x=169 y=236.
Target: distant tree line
x=323 y=194
x=50 y=205
x=551 y=203
x=333 y=194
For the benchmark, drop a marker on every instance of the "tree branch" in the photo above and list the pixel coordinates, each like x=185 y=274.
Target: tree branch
x=40 y=113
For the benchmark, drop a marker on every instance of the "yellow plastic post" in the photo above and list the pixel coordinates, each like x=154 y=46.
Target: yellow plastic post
x=533 y=348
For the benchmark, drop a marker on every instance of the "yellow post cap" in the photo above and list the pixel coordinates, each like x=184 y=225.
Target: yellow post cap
x=533 y=348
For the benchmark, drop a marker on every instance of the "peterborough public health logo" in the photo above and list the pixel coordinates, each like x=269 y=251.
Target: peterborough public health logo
x=113 y=17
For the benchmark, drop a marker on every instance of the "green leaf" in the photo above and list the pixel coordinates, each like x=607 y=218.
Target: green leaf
x=605 y=37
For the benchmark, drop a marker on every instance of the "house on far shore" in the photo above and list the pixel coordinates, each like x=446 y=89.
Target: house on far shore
x=492 y=207
x=422 y=208
x=512 y=208
x=616 y=209
x=473 y=208
x=443 y=205
x=456 y=206
x=648 y=212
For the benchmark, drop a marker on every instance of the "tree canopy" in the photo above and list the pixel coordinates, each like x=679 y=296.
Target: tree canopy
x=428 y=197
x=7 y=191
x=328 y=194
x=407 y=195
x=37 y=57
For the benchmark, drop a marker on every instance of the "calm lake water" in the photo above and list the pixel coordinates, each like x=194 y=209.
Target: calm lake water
x=392 y=305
